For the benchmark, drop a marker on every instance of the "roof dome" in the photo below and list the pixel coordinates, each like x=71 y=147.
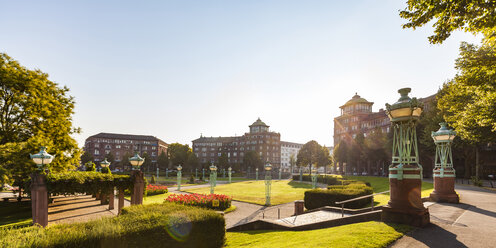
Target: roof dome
x=356 y=99
x=259 y=122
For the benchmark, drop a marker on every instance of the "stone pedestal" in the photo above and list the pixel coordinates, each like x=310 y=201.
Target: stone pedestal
x=120 y=204
x=111 y=200
x=39 y=199
x=405 y=205
x=138 y=188
x=444 y=190
x=299 y=207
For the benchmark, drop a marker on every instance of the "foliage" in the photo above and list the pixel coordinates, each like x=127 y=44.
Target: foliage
x=325 y=179
x=317 y=198
x=90 y=166
x=370 y=234
x=34 y=111
x=15 y=214
x=476 y=181
x=162 y=160
x=86 y=157
x=153 y=180
x=154 y=225
x=178 y=154
x=223 y=161
x=311 y=153
x=252 y=160
x=201 y=200
x=147 y=163
x=468 y=15
x=155 y=189
x=106 y=170
x=85 y=182
x=191 y=179
x=193 y=161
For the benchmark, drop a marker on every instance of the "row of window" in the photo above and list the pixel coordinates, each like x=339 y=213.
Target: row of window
x=119 y=141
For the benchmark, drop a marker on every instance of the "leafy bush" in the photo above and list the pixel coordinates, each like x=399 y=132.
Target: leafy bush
x=201 y=200
x=153 y=180
x=328 y=197
x=154 y=225
x=191 y=179
x=325 y=179
x=90 y=166
x=476 y=181
x=106 y=170
x=156 y=189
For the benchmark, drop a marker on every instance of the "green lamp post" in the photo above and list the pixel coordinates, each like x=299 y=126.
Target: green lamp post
x=444 y=173
x=301 y=175
x=314 y=176
x=105 y=166
x=179 y=168
x=166 y=172
x=280 y=172
x=41 y=158
x=203 y=173
x=213 y=171
x=158 y=173
x=229 y=173
x=256 y=174
x=405 y=172
x=196 y=173
x=268 y=182
x=136 y=161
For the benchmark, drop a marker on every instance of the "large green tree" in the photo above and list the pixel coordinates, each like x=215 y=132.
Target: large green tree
x=473 y=16
x=162 y=161
x=34 y=111
x=179 y=154
x=223 y=161
x=340 y=154
x=252 y=160
x=311 y=153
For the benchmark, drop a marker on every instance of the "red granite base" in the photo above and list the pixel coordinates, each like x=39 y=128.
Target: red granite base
x=412 y=217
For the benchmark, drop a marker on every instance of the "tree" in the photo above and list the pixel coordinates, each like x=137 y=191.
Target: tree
x=125 y=160
x=162 y=161
x=375 y=149
x=86 y=157
x=252 y=160
x=223 y=161
x=324 y=159
x=311 y=153
x=193 y=161
x=110 y=157
x=34 y=110
x=340 y=154
x=292 y=162
x=147 y=163
x=468 y=15
x=178 y=154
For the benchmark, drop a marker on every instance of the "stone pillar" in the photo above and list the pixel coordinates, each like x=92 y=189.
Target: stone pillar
x=121 y=200
x=138 y=188
x=103 y=199
x=39 y=199
x=97 y=196
x=444 y=187
x=299 y=207
x=111 y=199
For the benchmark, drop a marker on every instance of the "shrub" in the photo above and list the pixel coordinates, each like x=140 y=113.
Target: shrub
x=476 y=181
x=191 y=179
x=154 y=225
x=325 y=179
x=328 y=197
x=201 y=200
x=106 y=170
x=156 y=189
x=153 y=180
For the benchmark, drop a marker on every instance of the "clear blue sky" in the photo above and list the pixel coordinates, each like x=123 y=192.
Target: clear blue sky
x=175 y=69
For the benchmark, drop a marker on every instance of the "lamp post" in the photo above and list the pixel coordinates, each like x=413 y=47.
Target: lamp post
x=139 y=181
x=268 y=182
x=179 y=168
x=444 y=173
x=158 y=173
x=41 y=158
x=405 y=172
x=224 y=172
x=203 y=173
x=256 y=174
x=314 y=176
x=229 y=173
x=280 y=172
x=301 y=175
x=136 y=161
x=213 y=170
x=105 y=166
x=166 y=173
x=196 y=173
x=39 y=192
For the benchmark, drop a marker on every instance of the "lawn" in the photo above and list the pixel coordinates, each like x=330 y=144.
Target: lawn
x=283 y=191
x=155 y=198
x=380 y=184
x=366 y=234
x=15 y=213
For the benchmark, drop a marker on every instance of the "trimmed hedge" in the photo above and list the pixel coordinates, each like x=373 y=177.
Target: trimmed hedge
x=154 y=225
x=317 y=198
x=325 y=179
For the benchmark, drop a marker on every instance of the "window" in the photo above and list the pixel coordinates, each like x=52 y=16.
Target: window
x=204 y=149
x=97 y=152
x=154 y=148
x=107 y=147
x=145 y=148
x=118 y=146
x=107 y=151
x=235 y=154
x=97 y=145
x=219 y=154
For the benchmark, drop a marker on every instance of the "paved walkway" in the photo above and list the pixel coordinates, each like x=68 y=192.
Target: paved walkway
x=469 y=224
x=80 y=208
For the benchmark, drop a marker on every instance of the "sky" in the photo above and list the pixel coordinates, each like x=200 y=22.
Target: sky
x=178 y=69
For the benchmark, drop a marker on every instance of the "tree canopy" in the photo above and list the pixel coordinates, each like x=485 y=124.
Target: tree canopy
x=34 y=111
x=252 y=159
x=468 y=15
x=312 y=153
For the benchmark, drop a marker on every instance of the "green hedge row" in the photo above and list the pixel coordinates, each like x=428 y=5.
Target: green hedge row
x=85 y=182
x=154 y=225
x=317 y=198
x=325 y=179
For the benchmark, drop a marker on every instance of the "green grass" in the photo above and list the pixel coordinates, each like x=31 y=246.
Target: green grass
x=230 y=209
x=15 y=214
x=155 y=198
x=380 y=184
x=367 y=234
x=283 y=191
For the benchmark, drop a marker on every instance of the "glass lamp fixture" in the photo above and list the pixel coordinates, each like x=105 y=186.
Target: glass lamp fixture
x=443 y=135
x=405 y=108
x=41 y=158
x=136 y=161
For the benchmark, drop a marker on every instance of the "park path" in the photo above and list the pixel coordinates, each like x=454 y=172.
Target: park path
x=469 y=224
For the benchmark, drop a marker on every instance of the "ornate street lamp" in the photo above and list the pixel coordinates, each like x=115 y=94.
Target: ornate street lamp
x=224 y=172
x=196 y=173
x=229 y=173
x=136 y=161
x=405 y=172
x=105 y=164
x=280 y=172
x=179 y=168
x=268 y=182
x=301 y=175
x=314 y=176
x=158 y=173
x=166 y=172
x=444 y=173
x=41 y=158
x=203 y=174
x=213 y=171
x=256 y=174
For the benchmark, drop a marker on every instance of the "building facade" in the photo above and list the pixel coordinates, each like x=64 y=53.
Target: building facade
x=102 y=144
x=260 y=139
x=288 y=150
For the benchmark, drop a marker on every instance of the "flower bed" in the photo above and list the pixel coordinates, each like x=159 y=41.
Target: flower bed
x=156 y=189
x=211 y=201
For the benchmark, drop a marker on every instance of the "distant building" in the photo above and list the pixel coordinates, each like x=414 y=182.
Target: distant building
x=100 y=145
x=259 y=139
x=288 y=149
